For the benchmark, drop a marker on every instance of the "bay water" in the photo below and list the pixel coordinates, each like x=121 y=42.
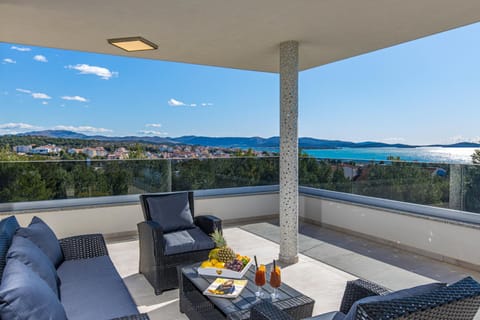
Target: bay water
x=419 y=154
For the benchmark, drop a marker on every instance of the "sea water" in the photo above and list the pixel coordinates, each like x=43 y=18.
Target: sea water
x=420 y=154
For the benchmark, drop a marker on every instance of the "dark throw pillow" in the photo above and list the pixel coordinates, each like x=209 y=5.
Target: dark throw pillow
x=8 y=227
x=24 y=296
x=25 y=251
x=41 y=235
x=171 y=211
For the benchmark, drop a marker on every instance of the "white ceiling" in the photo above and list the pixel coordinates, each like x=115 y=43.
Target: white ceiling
x=241 y=34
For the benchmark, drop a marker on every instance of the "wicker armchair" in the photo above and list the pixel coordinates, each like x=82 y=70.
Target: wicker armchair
x=459 y=301
x=159 y=264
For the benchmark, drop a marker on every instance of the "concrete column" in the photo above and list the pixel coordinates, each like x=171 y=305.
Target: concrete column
x=289 y=152
x=456 y=187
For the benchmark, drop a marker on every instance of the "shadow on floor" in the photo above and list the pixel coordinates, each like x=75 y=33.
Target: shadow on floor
x=392 y=267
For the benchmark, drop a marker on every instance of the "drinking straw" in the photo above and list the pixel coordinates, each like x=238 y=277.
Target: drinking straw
x=256 y=263
x=274 y=265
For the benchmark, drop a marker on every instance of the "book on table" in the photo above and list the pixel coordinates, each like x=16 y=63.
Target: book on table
x=225 y=288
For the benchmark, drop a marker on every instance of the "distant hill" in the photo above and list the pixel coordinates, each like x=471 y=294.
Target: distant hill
x=234 y=142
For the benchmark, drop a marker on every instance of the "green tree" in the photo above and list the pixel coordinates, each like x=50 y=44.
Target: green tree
x=472 y=184
x=402 y=181
x=476 y=156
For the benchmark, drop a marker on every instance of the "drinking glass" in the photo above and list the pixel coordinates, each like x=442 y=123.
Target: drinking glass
x=275 y=281
x=260 y=280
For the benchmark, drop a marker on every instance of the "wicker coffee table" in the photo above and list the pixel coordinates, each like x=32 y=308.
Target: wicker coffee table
x=198 y=306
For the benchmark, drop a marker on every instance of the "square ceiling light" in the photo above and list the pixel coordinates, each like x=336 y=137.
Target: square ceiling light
x=133 y=44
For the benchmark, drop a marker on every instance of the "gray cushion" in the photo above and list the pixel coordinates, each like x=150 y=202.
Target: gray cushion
x=171 y=211
x=24 y=296
x=405 y=293
x=28 y=253
x=40 y=233
x=92 y=289
x=187 y=240
x=4 y=245
x=8 y=227
x=335 y=315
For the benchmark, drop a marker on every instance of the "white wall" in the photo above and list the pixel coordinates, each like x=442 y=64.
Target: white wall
x=239 y=207
x=451 y=241
x=124 y=218
x=106 y=220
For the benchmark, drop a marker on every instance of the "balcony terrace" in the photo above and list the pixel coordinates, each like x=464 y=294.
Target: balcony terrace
x=328 y=259
x=339 y=240
x=342 y=236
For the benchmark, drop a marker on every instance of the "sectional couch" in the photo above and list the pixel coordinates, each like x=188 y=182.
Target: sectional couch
x=46 y=278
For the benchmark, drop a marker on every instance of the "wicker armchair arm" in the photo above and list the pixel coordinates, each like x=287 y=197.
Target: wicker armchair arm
x=152 y=243
x=359 y=289
x=83 y=247
x=208 y=223
x=267 y=311
x=142 y=316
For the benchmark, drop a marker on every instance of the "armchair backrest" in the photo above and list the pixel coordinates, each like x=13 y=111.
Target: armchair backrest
x=460 y=301
x=172 y=210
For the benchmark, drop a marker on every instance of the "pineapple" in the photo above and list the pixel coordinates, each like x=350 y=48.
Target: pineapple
x=224 y=253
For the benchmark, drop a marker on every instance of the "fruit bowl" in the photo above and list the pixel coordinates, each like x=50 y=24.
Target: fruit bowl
x=223 y=272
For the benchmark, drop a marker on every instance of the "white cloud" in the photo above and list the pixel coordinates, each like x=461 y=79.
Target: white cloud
x=17 y=126
x=75 y=98
x=23 y=90
x=39 y=95
x=460 y=138
x=153 y=125
x=394 y=140
x=176 y=103
x=82 y=129
x=35 y=95
x=8 y=60
x=101 y=72
x=23 y=49
x=44 y=103
x=152 y=133
x=40 y=58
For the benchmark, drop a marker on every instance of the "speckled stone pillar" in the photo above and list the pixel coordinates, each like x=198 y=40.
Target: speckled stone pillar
x=456 y=187
x=289 y=152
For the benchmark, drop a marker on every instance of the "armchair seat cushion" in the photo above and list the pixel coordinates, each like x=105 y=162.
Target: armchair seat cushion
x=92 y=289
x=186 y=241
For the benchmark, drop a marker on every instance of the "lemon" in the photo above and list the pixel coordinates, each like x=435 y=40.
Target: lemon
x=206 y=264
x=219 y=265
x=214 y=261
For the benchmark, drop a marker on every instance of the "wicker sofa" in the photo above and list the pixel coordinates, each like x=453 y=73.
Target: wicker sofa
x=71 y=278
x=365 y=300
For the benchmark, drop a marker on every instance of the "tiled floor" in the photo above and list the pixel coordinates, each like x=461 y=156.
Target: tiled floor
x=328 y=259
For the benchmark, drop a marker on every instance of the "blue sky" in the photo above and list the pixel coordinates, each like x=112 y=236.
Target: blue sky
x=422 y=92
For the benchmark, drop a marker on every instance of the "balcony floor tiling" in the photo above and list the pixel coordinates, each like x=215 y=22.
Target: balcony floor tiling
x=328 y=259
